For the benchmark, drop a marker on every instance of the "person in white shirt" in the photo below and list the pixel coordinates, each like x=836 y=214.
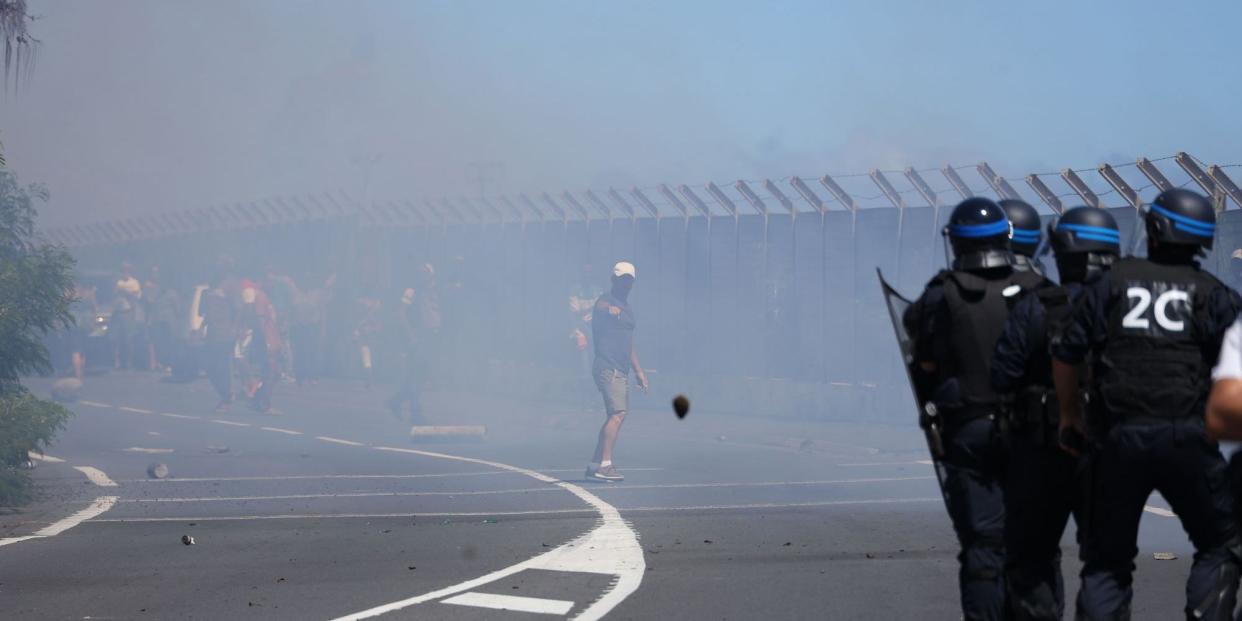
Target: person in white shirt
x=1224 y=408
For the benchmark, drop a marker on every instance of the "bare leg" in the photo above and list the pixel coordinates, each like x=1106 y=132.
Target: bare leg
x=608 y=437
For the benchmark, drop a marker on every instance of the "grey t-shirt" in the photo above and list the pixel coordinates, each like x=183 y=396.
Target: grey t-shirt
x=613 y=333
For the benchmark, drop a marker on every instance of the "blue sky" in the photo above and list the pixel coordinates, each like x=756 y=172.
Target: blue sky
x=141 y=106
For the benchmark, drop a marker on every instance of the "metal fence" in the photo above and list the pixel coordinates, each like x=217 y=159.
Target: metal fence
x=762 y=299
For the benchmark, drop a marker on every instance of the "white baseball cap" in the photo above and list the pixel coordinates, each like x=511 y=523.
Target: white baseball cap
x=624 y=268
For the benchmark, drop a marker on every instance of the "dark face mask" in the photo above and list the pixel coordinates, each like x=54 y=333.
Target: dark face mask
x=621 y=287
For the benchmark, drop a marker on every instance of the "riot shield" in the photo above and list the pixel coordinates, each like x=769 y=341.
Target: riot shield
x=929 y=420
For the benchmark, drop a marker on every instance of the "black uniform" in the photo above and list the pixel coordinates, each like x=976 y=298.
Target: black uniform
x=1155 y=329
x=1041 y=488
x=955 y=324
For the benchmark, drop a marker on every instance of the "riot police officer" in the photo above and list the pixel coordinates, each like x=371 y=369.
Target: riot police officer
x=955 y=324
x=1154 y=327
x=1041 y=489
x=1027 y=233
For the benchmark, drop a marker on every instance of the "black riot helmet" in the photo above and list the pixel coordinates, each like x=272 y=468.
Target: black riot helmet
x=1086 y=241
x=1181 y=217
x=979 y=231
x=1027 y=230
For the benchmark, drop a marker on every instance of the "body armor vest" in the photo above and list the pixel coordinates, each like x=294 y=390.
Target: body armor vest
x=977 y=308
x=1155 y=362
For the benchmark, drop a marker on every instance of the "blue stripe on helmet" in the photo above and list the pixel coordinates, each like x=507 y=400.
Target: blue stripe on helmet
x=1194 y=230
x=1189 y=225
x=1100 y=238
x=1026 y=235
x=1082 y=229
x=1000 y=227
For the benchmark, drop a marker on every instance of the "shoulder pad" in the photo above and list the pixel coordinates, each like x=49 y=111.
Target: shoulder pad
x=1030 y=281
x=938 y=279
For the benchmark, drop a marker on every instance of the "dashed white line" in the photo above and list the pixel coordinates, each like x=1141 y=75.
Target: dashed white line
x=181 y=416
x=477 y=514
x=284 y=431
x=229 y=422
x=526 y=490
x=919 y=462
x=1159 y=511
x=95 y=404
x=96 y=508
x=149 y=451
x=101 y=504
x=11 y=540
x=47 y=458
x=339 y=441
x=97 y=477
x=134 y=410
x=315 y=477
x=536 y=605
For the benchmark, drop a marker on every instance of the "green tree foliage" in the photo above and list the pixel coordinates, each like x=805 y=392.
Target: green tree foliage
x=35 y=292
x=19 y=46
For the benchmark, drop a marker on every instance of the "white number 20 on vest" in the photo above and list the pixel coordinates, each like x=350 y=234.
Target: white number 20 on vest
x=1170 y=310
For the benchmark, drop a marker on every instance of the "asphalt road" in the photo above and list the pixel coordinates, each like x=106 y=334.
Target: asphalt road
x=328 y=511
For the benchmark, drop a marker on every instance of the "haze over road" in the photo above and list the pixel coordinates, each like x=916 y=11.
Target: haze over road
x=327 y=511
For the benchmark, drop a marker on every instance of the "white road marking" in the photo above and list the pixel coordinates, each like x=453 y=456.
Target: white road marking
x=47 y=458
x=1159 y=511
x=134 y=410
x=182 y=416
x=585 y=512
x=95 y=404
x=922 y=462
x=279 y=430
x=611 y=548
x=149 y=451
x=475 y=514
x=339 y=441
x=312 y=477
x=97 y=477
x=229 y=422
x=527 y=490
x=536 y=605
x=315 y=477
x=10 y=540
x=100 y=505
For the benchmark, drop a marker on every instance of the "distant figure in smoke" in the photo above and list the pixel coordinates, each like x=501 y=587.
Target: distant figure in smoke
x=260 y=345
x=126 y=313
x=220 y=336
x=366 y=333
x=612 y=328
x=84 y=310
x=407 y=331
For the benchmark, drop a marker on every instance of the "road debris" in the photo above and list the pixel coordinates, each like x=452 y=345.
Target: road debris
x=187 y=540
x=157 y=471
x=681 y=406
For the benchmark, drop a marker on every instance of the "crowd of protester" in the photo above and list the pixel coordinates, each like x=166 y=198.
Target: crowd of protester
x=249 y=330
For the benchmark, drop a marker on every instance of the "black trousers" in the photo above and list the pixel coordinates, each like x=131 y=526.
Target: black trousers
x=1172 y=457
x=408 y=384
x=974 y=467
x=1042 y=489
x=218 y=364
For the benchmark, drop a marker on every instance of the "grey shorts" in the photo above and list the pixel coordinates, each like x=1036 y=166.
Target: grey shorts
x=614 y=385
